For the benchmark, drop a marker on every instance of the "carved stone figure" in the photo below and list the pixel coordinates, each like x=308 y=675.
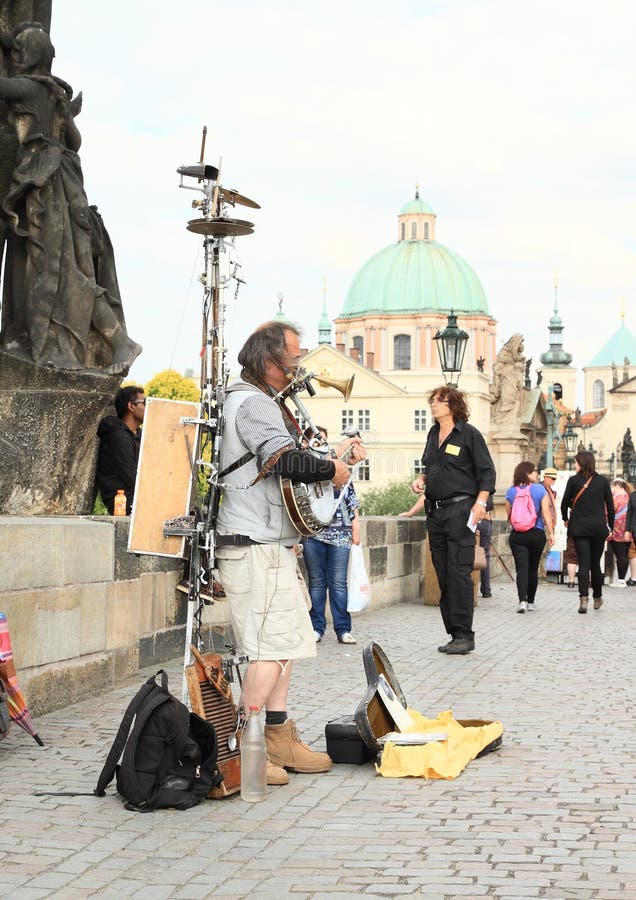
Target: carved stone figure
x=527 y=381
x=627 y=448
x=61 y=304
x=480 y=364
x=626 y=369
x=508 y=381
x=63 y=340
x=614 y=375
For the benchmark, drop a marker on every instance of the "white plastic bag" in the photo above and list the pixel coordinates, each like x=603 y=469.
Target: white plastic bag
x=358 y=587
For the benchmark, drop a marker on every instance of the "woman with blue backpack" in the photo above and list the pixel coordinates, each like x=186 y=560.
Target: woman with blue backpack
x=528 y=508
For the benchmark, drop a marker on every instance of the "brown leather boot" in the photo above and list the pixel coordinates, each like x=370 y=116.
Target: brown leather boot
x=598 y=602
x=582 y=604
x=276 y=774
x=285 y=748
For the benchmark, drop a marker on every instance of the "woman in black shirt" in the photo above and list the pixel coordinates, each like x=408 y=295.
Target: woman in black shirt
x=587 y=509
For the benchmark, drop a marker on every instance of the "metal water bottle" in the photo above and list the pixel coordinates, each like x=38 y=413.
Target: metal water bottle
x=119 y=503
x=253 y=759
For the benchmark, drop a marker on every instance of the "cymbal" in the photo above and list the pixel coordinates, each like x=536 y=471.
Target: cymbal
x=210 y=173
x=220 y=227
x=233 y=196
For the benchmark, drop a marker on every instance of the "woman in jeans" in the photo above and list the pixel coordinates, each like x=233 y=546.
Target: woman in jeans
x=527 y=546
x=587 y=509
x=326 y=556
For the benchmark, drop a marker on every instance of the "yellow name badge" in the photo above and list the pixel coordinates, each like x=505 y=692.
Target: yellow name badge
x=453 y=449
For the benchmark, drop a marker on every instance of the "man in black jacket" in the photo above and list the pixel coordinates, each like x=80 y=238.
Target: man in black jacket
x=120 y=437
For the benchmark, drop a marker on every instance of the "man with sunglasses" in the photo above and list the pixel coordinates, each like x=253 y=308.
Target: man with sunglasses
x=458 y=479
x=119 y=441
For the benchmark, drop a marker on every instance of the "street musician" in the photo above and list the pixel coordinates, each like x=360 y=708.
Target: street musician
x=255 y=535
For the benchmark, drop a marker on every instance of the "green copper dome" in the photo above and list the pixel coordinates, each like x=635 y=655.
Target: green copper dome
x=416 y=206
x=414 y=277
x=622 y=344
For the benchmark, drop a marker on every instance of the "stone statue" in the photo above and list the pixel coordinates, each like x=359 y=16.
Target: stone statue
x=480 y=364
x=614 y=375
x=626 y=369
x=61 y=307
x=539 y=376
x=527 y=382
x=508 y=381
x=63 y=340
x=627 y=448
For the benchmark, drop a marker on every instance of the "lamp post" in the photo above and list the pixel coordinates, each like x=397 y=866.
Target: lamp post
x=451 y=347
x=570 y=439
x=631 y=468
x=612 y=466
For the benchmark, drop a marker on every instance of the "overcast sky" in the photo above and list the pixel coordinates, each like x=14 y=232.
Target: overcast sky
x=516 y=119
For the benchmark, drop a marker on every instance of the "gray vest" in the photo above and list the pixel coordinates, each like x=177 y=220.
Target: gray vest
x=257 y=511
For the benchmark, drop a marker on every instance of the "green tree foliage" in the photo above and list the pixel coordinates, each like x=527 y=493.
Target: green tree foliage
x=390 y=500
x=170 y=385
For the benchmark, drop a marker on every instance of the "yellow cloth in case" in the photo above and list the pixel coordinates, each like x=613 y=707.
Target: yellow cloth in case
x=439 y=759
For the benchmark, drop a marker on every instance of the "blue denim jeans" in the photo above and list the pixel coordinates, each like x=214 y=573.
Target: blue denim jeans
x=327 y=570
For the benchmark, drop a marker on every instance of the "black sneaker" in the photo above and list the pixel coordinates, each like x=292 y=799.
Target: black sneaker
x=460 y=646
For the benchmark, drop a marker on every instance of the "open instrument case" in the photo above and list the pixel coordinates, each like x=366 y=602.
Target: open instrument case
x=355 y=739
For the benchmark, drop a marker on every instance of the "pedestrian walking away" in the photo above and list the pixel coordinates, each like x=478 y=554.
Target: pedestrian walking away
x=528 y=537
x=620 y=538
x=587 y=509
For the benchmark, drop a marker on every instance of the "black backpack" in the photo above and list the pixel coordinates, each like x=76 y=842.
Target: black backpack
x=168 y=759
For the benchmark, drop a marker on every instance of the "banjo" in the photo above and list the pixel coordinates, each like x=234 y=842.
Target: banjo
x=311 y=507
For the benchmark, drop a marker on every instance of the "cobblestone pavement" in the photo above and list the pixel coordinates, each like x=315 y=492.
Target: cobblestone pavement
x=551 y=814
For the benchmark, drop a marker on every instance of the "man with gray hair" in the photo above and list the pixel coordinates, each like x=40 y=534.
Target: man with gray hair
x=255 y=536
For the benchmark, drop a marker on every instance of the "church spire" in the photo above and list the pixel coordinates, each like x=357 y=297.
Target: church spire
x=556 y=355
x=324 y=325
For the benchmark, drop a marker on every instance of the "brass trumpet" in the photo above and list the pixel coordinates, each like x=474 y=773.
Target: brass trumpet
x=344 y=385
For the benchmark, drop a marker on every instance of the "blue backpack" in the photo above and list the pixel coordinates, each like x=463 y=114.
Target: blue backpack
x=523 y=514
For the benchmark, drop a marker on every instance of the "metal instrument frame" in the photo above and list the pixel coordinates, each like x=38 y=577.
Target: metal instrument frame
x=221 y=266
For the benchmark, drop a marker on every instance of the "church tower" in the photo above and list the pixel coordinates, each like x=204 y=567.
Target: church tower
x=324 y=325
x=557 y=363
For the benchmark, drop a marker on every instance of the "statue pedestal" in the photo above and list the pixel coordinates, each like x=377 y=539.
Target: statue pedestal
x=507 y=450
x=48 y=437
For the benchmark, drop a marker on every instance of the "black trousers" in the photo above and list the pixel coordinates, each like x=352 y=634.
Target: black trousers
x=452 y=546
x=485 y=532
x=619 y=549
x=589 y=551
x=527 y=547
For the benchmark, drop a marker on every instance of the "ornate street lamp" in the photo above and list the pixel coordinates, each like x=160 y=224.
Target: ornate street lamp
x=451 y=347
x=570 y=439
x=612 y=466
x=631 y=468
